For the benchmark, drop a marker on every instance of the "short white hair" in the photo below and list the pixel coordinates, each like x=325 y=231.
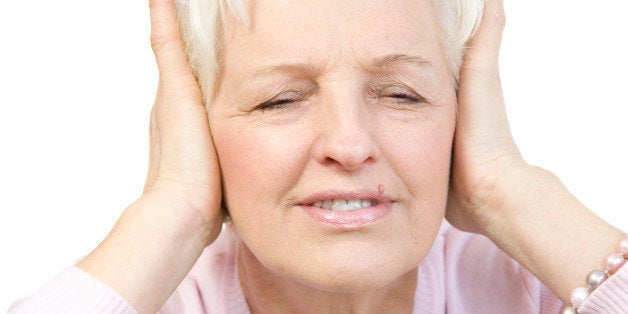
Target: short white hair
x=200 y=24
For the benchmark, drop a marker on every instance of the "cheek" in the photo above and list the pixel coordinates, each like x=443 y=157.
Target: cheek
x=419 y=154
x=428 y=159
x=257 y=165
x=420 y=151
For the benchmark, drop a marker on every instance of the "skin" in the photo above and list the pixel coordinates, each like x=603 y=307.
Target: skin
x=350 y=101
x=492 y=191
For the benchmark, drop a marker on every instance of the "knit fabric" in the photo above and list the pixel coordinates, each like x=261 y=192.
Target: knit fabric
x=463 y=273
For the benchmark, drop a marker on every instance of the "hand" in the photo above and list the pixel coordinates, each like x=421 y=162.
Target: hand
x=183 y=166
x=484 y=150
x=160 y=236
x=520 y=208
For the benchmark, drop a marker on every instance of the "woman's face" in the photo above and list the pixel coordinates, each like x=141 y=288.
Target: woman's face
x=324 y=106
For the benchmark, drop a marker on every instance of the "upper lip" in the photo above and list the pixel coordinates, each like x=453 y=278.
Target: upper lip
x=374 y=196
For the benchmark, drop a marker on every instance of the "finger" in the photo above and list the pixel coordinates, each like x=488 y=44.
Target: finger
x=483 y=52
x=481 y=111
x=167 y=43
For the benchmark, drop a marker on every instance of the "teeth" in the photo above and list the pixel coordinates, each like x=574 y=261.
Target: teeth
x=353 y=205
x=343 y=205
x=340 y=205
x=327 y=204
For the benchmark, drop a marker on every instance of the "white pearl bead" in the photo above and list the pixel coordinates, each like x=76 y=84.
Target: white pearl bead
x=614 y=262
x=578 y=296
x=569 y=310
x=595 y=279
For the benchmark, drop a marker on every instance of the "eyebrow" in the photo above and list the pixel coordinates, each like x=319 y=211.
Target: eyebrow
x=286 y=68
x=381 y=62
x=392 y=59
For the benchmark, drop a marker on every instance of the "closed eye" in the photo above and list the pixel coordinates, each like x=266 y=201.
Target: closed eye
x=281 y=101
x=274 y=104
x=405 y=98
x=397 y=94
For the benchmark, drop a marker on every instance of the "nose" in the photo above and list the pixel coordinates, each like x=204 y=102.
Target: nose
x=346 y=139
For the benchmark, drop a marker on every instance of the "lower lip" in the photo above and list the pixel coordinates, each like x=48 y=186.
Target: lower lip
x=349 y=220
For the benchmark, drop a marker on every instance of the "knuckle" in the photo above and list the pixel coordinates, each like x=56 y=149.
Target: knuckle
x=501 y=18
x=160 y=43
x=157 y=42
x=499 y=15
x=498 y=19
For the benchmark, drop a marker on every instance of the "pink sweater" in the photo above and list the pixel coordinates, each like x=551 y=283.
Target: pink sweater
x=463 y=273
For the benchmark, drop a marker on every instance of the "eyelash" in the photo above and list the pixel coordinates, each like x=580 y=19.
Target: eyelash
x=398 y=94
x=406 y=98
x=281 y=100
x=276 y=103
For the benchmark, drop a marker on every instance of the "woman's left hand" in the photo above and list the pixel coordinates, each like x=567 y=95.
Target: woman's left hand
x=525 y=210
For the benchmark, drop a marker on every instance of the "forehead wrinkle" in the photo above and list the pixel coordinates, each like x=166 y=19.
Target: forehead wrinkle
x=392 y=61
x=295 y=69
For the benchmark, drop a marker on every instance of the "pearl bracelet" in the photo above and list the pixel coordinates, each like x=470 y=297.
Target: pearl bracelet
x=595 y=278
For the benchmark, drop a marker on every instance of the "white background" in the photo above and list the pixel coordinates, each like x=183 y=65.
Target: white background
x=77 y=80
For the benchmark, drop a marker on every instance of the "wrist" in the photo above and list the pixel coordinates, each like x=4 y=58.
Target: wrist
x=181 y=217
x=541 y=225
x=149 y=251
x=510 y=201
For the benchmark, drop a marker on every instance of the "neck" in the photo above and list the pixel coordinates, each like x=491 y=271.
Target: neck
x=268 y=292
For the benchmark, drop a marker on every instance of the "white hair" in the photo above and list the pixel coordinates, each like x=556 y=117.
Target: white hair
x=200 y=24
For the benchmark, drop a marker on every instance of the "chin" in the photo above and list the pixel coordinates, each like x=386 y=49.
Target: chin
x=352 y=270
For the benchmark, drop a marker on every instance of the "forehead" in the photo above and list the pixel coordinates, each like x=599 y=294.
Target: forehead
x=327 y=32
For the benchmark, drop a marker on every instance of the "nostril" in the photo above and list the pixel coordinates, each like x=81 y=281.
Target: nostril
x=345 y=164
x=349 y=157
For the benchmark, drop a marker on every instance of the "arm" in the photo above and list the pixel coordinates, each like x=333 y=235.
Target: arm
x=524 y=210
x=541 y=225
x=73 y=291
x=158 y=238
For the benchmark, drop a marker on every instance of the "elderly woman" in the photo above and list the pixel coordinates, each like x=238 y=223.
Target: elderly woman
x=324 y=131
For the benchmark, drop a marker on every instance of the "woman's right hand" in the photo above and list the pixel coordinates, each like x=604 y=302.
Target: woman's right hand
x=160 y=236
x=183 y=166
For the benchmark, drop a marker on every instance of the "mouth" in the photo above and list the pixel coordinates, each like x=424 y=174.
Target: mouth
x=344 y=205
x=347 y=210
